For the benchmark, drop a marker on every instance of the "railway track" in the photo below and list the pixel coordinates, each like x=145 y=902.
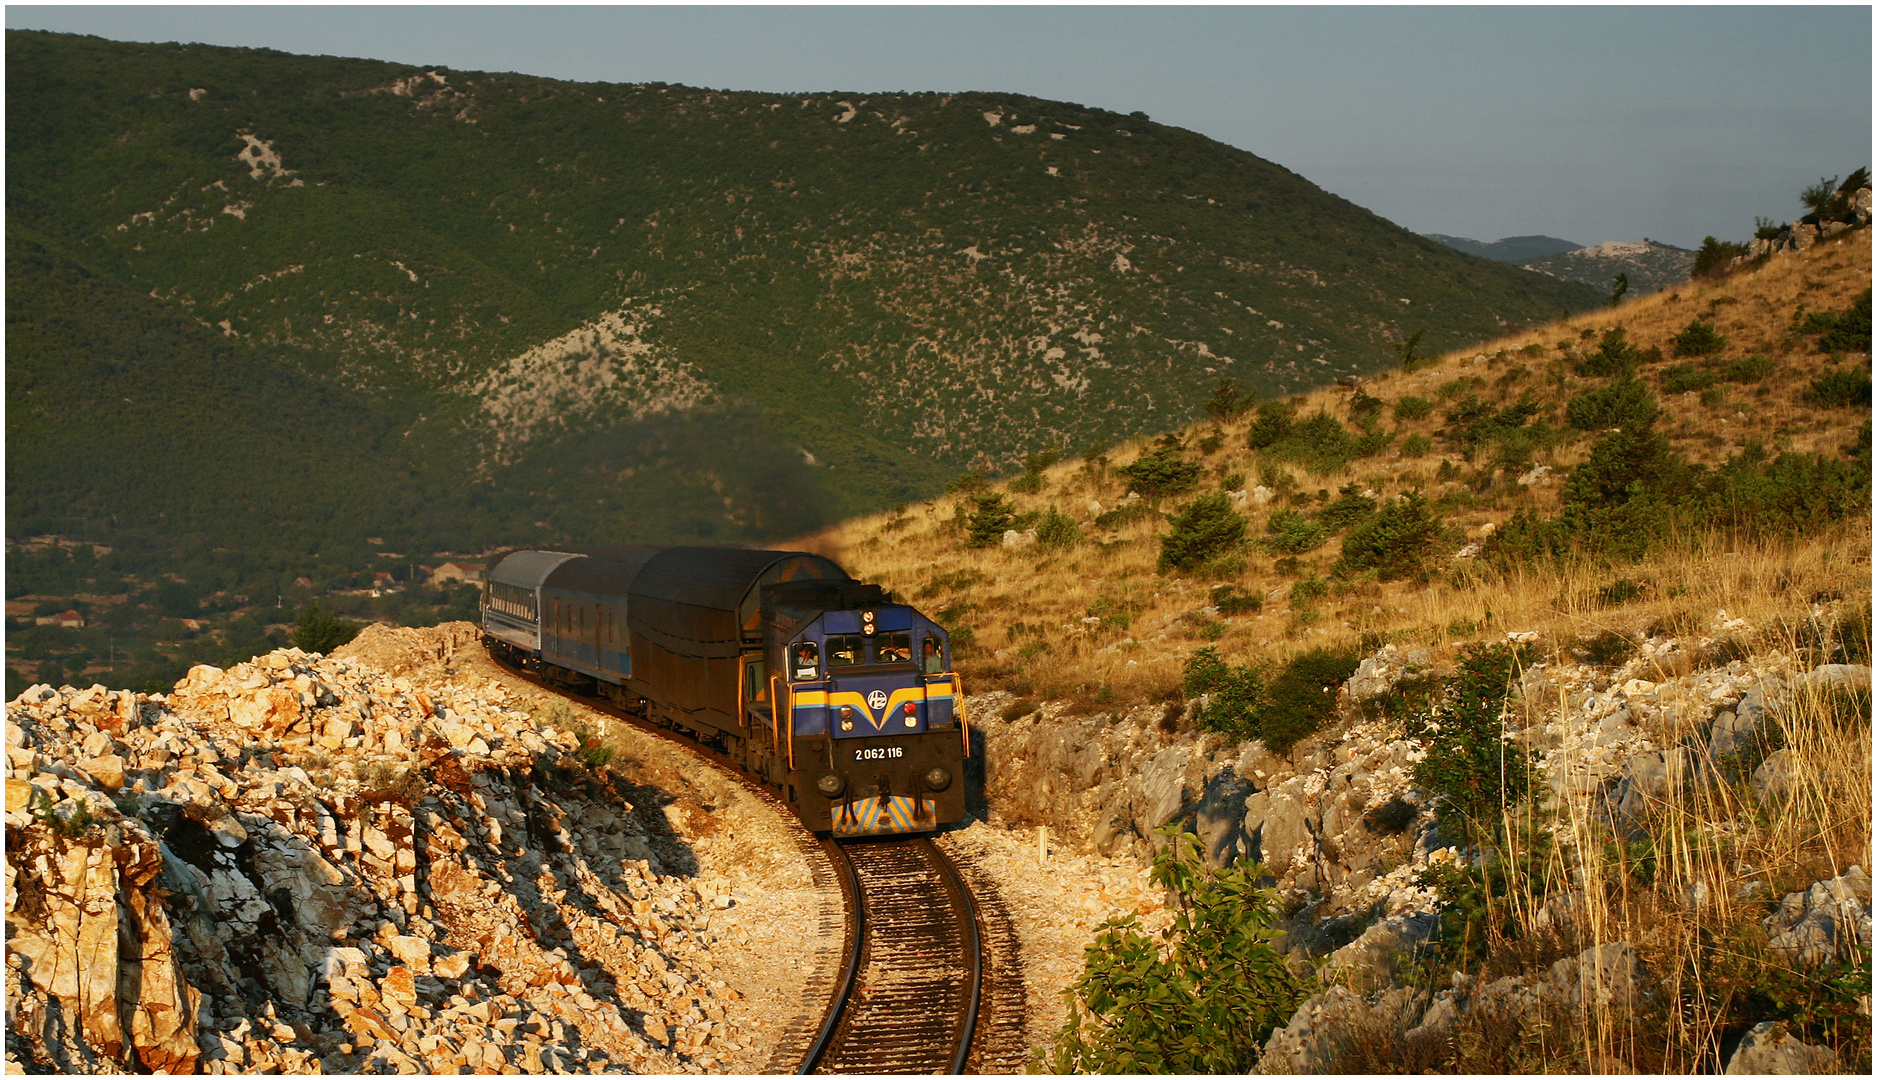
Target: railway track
x=927 y=975
x=913 y=979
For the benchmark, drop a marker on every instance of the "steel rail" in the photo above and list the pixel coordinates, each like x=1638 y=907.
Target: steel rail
x=850 y=968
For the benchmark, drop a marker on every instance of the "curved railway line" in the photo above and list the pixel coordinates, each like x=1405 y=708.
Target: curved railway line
x=929 y=979
x=913 y=978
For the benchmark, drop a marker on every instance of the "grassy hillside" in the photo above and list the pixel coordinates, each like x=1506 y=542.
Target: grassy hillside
x=1509 y=544
x=889 y=286
x=1539 y=549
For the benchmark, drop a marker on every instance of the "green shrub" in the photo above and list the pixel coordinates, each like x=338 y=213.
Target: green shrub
x=1234 y=694
x=1364 y=407
x=1205 y=530
x=317 y=630
x=1027 y=484
x=1126 y=514
x=1201 y=998
x=1163 y=471
x=1458 y=388
x=1714 y=255
x=1057 y=531
x=1399 y=541
x=590 y=750
x=1227 y=402
x=1019 y=709
x=1350 y=507
x=991 y=514
x=1795 y=493
x=1844 y=331
x=1410 y=408
x=965 y=482
x=1626 y=403
x=1272 y=425
x=1416 y=446
x=1607 y=649
x=1232 y=600
x=1303 y=696
x=1372 y=443
x=1699 y=339
x=1635 y=467
x=1308 y=591
x=1479 y=905
x=1619 y=592
x=1683 y=378
x=1319 y=443
x=1748 y=369
x=1615 y=355
x=1840 y=389
x=1292 y=533
x=1472 y=769
x=1471 y=423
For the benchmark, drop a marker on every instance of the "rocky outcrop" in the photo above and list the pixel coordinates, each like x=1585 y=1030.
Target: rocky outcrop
x=303 y=864
x=1801 y=235
x=1770 y=1050
x=1828 y=920
x=1321 y=1035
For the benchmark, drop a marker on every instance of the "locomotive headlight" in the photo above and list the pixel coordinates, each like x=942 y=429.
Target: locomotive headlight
x=830 y=784
x=938 y=778
x=912 y=715
x=847 y=718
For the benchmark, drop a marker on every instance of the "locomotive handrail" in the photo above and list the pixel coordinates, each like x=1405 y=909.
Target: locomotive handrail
x=958 y=706
x=775 y=713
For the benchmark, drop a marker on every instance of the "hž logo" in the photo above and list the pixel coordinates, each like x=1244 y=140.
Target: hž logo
x=877 y=699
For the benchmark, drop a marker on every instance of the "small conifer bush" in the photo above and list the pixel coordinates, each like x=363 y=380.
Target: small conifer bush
x=991 y=514
x=1207 y=529
x=1699 y=339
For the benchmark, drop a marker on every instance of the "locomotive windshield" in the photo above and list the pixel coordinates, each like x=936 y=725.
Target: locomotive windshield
x=892 y=649
x=846 y=649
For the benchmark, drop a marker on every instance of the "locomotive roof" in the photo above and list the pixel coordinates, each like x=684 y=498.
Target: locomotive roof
x=528 y=569
x=721 y=578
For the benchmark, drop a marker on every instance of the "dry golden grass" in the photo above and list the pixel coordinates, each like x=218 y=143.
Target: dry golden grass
x=1097 y=625
x=1029 y=610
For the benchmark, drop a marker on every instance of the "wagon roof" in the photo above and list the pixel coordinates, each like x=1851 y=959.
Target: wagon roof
x=721 y=578
x=528 y=569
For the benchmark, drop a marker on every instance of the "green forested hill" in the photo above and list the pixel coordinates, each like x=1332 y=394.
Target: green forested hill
x=639 y=311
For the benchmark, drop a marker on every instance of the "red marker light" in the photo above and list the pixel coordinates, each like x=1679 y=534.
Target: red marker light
x=910 y=709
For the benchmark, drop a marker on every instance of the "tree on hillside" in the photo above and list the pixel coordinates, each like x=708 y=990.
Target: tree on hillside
x=317 y=630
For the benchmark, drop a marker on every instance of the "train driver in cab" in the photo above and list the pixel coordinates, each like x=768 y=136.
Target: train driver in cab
x=931 y=662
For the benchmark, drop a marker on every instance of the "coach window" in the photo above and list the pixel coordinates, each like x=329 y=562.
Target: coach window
x=845 y=649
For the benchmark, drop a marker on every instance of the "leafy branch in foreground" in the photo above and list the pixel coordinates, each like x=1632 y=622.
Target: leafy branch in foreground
x=1200 y=999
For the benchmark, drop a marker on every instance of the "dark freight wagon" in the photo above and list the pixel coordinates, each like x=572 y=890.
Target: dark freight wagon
x=845 y=703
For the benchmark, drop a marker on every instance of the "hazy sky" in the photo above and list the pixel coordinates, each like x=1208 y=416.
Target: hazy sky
x=1591 y=124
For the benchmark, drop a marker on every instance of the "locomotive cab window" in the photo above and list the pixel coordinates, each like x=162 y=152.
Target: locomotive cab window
x=804 y=661
x=892 y=649
x=931 y=657
x=846 y=649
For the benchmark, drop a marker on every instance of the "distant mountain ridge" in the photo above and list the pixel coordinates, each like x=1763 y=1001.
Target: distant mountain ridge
x=1513 y=249
x=614 y=312
x=1651 y=266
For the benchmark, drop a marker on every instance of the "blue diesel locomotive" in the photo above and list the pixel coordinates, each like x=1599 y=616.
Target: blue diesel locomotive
x=844 y=703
